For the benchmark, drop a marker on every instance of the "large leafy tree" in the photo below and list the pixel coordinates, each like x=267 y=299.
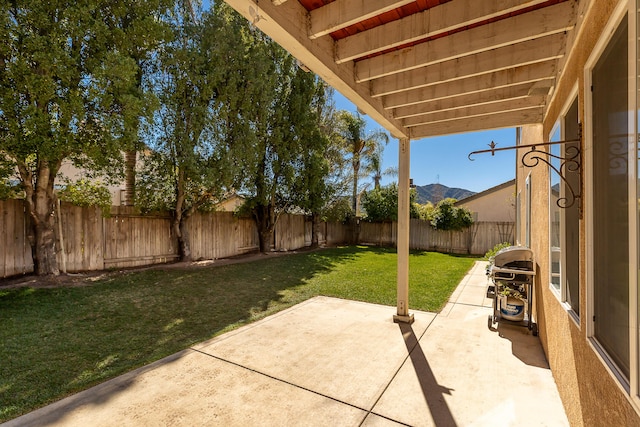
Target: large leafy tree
x=313 y=188
x=360 y=148
x=272 y=129
x=138 y=30
x=189 y=165
x=61 y=74
x=381 y=204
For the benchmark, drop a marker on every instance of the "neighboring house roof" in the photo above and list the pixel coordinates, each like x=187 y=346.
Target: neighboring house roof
x=485 y=192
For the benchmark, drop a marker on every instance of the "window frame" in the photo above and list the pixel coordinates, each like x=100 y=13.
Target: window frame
x=630 y=387
x=562 y=292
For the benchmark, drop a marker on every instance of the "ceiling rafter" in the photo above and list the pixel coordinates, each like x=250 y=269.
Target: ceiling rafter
x=550 y=20
x=526 y=53
x=446 y=17
x=343 y=13
x=468 y=99
x=495 y=121
x=477 y=111
x=504 y=78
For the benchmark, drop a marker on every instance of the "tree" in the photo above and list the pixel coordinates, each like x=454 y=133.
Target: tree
x=60 y=73
x=187 y=166
x=381 y=204
x=272 y=130
x=359 y=146
x=375 y=167
x=313 y=188
x=137 y=32
x=446 y=216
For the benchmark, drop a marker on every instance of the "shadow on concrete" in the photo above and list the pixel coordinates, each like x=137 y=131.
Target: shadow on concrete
x=524 y=345
x=433 y=392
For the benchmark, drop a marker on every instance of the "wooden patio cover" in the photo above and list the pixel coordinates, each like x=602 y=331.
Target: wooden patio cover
x=424 y=68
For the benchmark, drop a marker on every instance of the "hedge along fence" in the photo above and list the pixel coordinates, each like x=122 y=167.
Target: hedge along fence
x=129 y=239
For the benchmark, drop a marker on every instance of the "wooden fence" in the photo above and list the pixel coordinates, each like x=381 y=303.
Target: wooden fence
x=129 y=239
x=476 y=240
x=15 y=250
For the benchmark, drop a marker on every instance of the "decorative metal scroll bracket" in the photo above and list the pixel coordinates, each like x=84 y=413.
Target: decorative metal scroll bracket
x=570 y=162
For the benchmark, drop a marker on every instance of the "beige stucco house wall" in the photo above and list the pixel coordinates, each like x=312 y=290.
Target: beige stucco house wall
x=496 y=204
x=592 y=391
x=72 y=173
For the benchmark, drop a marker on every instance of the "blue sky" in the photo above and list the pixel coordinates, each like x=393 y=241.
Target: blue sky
x=444 y=159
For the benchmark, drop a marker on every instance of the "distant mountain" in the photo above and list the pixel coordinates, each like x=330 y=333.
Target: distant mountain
x=435 y=192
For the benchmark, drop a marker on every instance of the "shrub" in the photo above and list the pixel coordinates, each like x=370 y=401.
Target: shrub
x=446 y=216
x=381 y=204
x=87 y=193
x=492 y=252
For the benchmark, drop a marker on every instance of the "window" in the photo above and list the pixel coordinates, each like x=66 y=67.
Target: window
x=570 y=222
x=554 y=210
x=610 y=201
x=564 y=211
x=518 y=238
x=527 y=211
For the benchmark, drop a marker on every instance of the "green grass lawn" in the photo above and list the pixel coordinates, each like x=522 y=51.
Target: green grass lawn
x=58 y=341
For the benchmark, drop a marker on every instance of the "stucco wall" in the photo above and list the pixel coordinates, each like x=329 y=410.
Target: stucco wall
x=590 y=394
x=498 y=206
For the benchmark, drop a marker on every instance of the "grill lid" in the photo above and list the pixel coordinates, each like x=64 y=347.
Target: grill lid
x=514 y=255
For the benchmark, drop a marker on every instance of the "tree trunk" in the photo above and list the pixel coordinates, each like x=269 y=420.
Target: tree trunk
x=265 y=221
x=179 y=224
x=354 y=195
x=315 y=230
x=41 y=204
x=179 y=227
x=130 y=177
x=45 y=262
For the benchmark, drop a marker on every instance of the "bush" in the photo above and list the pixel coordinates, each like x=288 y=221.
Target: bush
x=338 y=211
x=381 y=204
x=492 y=252
x=87 y=193
x=446 y=216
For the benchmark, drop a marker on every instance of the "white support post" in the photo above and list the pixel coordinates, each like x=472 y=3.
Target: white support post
x=403 y=233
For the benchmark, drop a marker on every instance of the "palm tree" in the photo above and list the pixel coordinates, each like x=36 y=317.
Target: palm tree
x=360 y=146
x=375 y=168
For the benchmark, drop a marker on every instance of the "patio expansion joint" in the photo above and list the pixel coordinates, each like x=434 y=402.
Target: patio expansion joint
x=283 y=381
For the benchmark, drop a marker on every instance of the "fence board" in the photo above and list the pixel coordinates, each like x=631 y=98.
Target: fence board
x=15 y=250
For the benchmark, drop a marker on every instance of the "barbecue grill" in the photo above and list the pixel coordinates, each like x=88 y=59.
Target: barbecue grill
x=512 y=271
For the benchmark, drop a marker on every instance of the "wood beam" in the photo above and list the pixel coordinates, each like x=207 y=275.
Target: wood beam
x=499 y=79
x=529 y=52
x=482 y=98
x=342 y=13
x=485 y=110
x=404 y=221
x=539 y=23
x=286 y=24
x=498 y=121
x=437 y=20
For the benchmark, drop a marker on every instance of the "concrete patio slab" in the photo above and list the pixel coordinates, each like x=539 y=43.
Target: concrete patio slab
x=334 y=362
x=324 y=349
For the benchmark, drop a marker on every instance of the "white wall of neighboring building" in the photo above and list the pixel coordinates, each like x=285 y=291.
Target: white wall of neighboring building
x=71 y=172
x=496 y=204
